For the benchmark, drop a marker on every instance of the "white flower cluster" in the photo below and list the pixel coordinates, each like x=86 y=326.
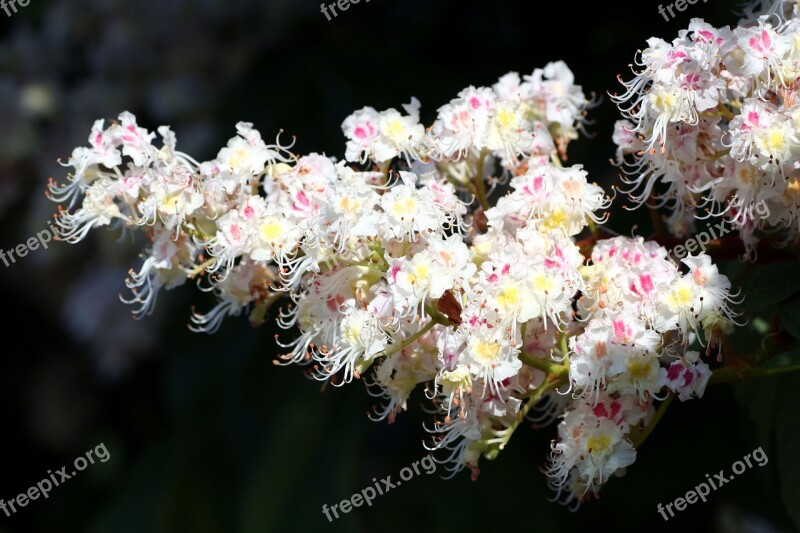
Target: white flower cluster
x=517 y=116
x=122 y=179
x=397 y=265
x=711 y=126
x=634 y=321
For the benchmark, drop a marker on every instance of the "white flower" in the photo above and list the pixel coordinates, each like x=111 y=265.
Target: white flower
x=687 y=376
x=490 y=357
x=99 y=209
x=360 y=338
x=409 y=213
x=385 y=135
x=247 y=283
x=591 y=448
x=136 y=142
x=246 y=153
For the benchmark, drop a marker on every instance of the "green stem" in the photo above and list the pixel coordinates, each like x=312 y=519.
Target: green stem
x=725 y=112
x=396 y=347
x=200 y=269
x=642 y=436
x=436 y=316
x=496 y=445
x=367 y=264
x=721 y=153
x=548 y=367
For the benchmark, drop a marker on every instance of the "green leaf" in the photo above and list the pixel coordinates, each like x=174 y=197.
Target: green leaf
x=770 y=285
x=775 y=411
x=785 y=360
x=790 y=317
x=788 y=443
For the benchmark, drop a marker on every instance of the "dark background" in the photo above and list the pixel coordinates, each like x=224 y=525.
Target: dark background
x=204 y=432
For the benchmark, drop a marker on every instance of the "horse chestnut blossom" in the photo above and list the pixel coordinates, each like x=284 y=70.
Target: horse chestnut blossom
x=397 y=269
x=710 y=125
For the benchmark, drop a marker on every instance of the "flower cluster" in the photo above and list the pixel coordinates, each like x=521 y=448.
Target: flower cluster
x=711 y=123
x=635 y=319
x=399 y=269
x=518 y=116
x=114 y=52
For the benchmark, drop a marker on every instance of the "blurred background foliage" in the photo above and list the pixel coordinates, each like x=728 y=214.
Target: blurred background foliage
x=204 y=432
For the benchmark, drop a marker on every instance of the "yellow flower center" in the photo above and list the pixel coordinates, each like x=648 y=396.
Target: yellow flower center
x=542 y=283
x=421 y=271
x=665 y=102
x=774 y=140
x=271 y=231
x=349 y=205
x=598 y=443
x=404 y=207
x=506 y=118
x=680 y=297
x=172 y=204
x=638 y=368
x=509 y=298
x=487 y=352
x=352 y=333
x=555 y=220
x=238 y=158
x=395 y=130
